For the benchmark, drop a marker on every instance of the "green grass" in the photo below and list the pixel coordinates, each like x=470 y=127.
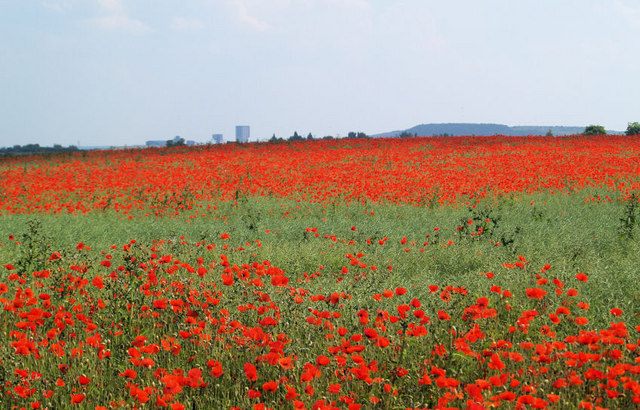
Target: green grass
x=563 y=231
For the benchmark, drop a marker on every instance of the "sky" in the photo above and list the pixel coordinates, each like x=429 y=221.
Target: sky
x=120 y=72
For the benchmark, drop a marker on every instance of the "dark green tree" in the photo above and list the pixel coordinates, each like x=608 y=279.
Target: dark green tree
x=358 y=134
x=176 y=142
x=309 y=137
x=295 y=137
x=633 y=128
x=549 y=133
x=594 y=130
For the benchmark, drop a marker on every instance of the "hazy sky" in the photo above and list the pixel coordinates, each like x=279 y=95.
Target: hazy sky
x=115 y=72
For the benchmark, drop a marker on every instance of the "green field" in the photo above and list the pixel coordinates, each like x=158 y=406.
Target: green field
x=597 y=238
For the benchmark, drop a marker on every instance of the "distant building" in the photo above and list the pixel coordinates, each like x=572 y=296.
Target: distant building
x=156 y=143
x=242 y=134
x=161 y=143
x=216 y=138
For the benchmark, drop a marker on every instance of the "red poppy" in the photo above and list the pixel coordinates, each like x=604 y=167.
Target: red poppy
x=55 y=256
x=334 y=388
x=270 y=386
x=98 y=282
x=129 y=373
x=323 y=360
x=442 y=315
x=251 y=372
x=227 y=279
x=536 y=293
x=581 y=321
x=77 y=398
x=616 y=312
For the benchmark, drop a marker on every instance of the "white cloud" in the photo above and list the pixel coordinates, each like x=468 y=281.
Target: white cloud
x=631 y=14
x=263 y=15
x=116 y=18
x=57 y=6
x=112 y=6
x=185 y=24
x=363 y=4
x=121 y=22
x=248 y=19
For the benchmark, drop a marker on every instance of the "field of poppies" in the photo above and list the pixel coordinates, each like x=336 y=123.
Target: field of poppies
x=466 y=272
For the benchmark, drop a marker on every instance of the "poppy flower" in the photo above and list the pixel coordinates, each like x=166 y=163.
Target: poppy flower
x=98 y=282
x=442 y=315
x=55 y=256
x=536 y=293
x=582 y=277
x=251 y=372
x=270 y=386
x=227 y=279
x=616 y=312
x=334 y=388
x=77 y=398
x=323 y=360
x=216 y=368
x=291 y=393
x=129 y=373
x=581 y=321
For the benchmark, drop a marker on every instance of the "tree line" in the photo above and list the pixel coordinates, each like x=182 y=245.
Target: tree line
x=29 y=149
x=633 y=128
x=310 y=137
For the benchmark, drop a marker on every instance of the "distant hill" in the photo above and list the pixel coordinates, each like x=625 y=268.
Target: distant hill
x=456 y=129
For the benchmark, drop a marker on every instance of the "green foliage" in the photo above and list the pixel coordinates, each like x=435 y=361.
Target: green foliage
x=539 y=226
x=29 y=149
x=518 y=228
x=296 y=137
x=594 y=130
x=358 y=134
x=176 y=142
x=36 y=247
x=628 y=219
x=633 y=128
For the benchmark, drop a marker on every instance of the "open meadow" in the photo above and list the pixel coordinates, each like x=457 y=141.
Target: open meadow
x=462 y=272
